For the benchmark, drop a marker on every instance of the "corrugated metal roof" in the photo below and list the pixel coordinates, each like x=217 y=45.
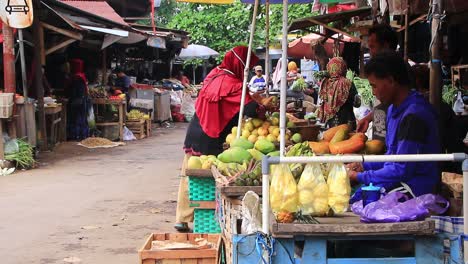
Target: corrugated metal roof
x=99 y=8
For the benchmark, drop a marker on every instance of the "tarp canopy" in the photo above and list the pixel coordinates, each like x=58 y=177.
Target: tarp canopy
x=194 y=51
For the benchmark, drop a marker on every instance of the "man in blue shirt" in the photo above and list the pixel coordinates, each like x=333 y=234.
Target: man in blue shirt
x=411 y=129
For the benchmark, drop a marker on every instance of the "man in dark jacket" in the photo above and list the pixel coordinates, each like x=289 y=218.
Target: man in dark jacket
x=411 y=129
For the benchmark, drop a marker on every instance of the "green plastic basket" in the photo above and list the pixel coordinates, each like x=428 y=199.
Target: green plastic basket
x=205 y=221
x=202 y=189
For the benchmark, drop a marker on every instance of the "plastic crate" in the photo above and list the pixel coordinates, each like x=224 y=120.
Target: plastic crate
x=205 y=221
x=6 y=111
x=6 y=99
x=202 y=189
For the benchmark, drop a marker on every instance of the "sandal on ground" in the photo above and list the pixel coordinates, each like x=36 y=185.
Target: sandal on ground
x=181 y=227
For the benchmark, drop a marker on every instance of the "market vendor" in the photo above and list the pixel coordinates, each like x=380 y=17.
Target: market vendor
x=122 y=83
x=381 y=38
x=337 y=96
x=78 y=104
x=216 y=113
x=218 y=105
x=412 y=128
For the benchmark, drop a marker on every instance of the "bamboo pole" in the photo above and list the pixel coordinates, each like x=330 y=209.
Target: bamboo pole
x=246 y=69
x=284 y=83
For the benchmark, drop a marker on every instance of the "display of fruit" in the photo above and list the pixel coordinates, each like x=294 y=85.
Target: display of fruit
x=285 y=217
x=194 y=163
x=235 y=155
x=374 y=147
x=330 y=133
x=135 y=115
x=242 y=143
x=115 y=98
x=97 y=92
x=296 y=138
x=264 y=146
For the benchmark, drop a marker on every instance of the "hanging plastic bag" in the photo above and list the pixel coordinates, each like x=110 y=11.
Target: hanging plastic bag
x=339 y=188
x=395 y=207
x=459 y=106
x=91 y=118
x=251 y=213
x=313 y=191
x=188 y=106
x=128 y=135
x=283 y=190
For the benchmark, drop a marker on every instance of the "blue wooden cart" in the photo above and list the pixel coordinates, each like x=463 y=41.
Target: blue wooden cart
x=315 y=243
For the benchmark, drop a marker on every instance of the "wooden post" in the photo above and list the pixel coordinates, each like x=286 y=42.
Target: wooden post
x=104 y=66
x=406 y=33
x=267 y=45
x=39 y=59
x=9 y=59
x=436 y=63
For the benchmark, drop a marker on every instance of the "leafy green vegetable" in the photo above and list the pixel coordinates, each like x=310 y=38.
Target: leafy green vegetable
x=364 y=89
x=448 y=94
x=24 y=157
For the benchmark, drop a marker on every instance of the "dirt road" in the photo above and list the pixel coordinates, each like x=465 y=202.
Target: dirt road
x=97 y=206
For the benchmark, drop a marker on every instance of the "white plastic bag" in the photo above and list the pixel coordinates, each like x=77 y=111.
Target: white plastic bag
x=175 y=98
x=459 y=106
x=91 y=118
x=128 y=135
x=188 y=106
x=251 y=213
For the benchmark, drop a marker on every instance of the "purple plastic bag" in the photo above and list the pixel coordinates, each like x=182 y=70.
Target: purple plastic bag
x=395 y=207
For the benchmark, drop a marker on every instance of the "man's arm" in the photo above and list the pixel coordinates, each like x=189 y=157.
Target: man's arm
x=412 y=135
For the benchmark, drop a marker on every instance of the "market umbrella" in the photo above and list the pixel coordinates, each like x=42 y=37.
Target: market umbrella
x=301 y=47
x=194 y=51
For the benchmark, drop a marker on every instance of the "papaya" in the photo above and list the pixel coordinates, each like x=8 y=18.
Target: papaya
x=242 y=143
x=360 y=136
x=264 y=146
x=340 y=135
x=374 y=147
x=330 y=133
x=349 y=146
x=257 y=155
x=235 y=155
x=320 y=148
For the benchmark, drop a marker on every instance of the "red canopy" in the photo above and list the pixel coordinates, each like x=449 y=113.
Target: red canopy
x=301 y=47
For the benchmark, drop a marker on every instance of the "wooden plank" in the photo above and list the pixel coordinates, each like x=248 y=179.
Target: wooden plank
x=2 y=151
x=121 y=121
x=429 y=250
x=315 y=251
x=199 y=173
x=180 y=254
x=285 y=253
x=203 y=204
x=189 y=261
x=355 y=229
x=414 y=21
x=178 y=237
x=148 y=261
x=371 y=261
x=59 y=46
x=64 y=32
x=108 y=124
x=333 y=29
x=234 y=191
x=171 y=261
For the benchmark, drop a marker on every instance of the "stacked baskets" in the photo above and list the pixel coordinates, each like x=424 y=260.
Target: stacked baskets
x=203 y=189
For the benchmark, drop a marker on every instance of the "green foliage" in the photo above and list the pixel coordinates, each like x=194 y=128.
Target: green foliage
x=222 y=27
x=193 y=63
x=448 y=94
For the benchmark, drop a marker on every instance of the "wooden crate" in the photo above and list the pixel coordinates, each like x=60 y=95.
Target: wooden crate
x=138 y=128
x=183 y=256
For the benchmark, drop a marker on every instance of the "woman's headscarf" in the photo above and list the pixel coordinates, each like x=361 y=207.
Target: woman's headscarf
x=335 y=89
x=77 y=69
x=220 y=96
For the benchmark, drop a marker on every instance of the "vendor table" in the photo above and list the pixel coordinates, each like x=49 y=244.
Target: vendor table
x=121 y=106
x=54 y=118
x=428 y=247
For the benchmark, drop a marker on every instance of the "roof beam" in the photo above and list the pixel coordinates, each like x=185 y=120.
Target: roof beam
x=70 y=34
x=333 y=29
x=59 y=46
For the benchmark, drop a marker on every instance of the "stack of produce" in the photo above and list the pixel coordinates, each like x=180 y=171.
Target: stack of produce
x=256 y=129
x=24 y=156
x=97 y=92
x=339 y=140
x=136 y=115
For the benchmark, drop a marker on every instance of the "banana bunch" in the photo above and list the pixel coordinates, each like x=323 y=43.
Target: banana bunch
x=299 y=149
x=231 y=169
